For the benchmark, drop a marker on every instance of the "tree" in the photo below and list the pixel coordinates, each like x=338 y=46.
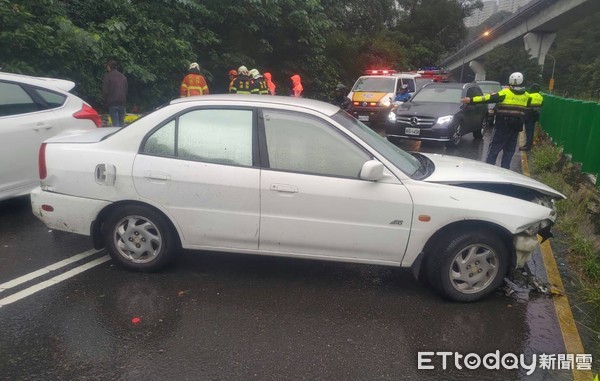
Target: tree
x=502 y=61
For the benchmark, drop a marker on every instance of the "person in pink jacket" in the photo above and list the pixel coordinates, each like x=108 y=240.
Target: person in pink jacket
x=297 y=85
x=270 y=83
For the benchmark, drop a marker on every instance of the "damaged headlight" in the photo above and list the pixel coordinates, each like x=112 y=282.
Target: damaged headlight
x=533 y=229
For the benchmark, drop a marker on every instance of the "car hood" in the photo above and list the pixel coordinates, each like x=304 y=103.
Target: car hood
x=460 y=171
x=433 y=109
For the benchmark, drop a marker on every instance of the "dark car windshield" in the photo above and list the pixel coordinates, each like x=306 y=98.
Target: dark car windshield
x=375 y=84
x=438 y=94
x=404 y=161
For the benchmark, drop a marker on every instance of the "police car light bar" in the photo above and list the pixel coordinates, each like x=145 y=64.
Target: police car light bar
x=380 y=72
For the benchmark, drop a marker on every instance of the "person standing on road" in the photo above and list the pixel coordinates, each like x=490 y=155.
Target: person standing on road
x=512 y=103
x=114 y=92
x=243 y=83
x=532 y=115
x=340 y=97
x=297 y=88
x=232 y=76
x=270 y=83
x=193 y=83
x=259 y=84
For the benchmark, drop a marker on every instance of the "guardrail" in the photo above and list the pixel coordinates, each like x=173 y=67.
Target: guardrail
x=574 y=125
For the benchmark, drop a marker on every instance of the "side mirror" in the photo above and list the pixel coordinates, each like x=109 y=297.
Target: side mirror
x=371 y=170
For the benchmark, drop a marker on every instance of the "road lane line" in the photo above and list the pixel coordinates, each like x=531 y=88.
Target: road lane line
x=46 y=270
x=566 y=321
x=52 y=281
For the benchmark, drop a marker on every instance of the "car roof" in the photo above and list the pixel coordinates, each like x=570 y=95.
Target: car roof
x=240 y=99
x=488 y=82
x=50 y=83
x=447 y=85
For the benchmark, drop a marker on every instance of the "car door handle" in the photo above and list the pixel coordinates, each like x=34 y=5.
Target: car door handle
x=157 y=176
x=42 y=126
x=284 y=188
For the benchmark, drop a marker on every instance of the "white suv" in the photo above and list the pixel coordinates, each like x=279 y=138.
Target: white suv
x=33 y=109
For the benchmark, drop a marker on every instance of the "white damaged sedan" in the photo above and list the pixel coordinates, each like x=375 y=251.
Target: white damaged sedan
x=289 y=177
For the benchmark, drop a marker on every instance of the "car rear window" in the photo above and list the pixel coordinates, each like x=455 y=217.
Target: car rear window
x=438 y=94
x=490 y=88
x=52 y=99
x=14 y=100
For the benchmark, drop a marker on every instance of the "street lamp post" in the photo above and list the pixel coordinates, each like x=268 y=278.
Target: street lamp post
x=462 y=66
x=551 y=86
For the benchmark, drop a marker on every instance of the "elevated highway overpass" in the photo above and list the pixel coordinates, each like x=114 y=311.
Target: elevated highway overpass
x=537 y=23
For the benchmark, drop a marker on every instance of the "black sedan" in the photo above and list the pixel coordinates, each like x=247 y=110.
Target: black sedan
x=435 y=113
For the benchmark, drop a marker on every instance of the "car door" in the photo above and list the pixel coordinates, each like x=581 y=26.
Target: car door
x=200 y=168
x=313 y=202
x=474 y=112
x=24 y=125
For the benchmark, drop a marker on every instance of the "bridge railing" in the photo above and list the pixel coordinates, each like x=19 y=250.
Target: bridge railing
x=574 y=125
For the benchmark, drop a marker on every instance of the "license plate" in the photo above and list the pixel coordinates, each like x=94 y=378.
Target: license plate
x=412 y=131
x=363 y=118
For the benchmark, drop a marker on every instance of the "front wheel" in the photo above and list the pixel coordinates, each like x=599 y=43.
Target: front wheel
x=139 y=238
x=469 y=266
x=455 y=138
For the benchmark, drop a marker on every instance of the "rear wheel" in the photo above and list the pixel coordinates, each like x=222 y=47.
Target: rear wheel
x=468 y=267
x=456 y=137
x=139 y=238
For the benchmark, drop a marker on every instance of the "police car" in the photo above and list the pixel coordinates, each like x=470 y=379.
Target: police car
x=373 y=94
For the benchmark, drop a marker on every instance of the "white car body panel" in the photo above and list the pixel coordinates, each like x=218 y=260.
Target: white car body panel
x=334 y=217
x=207 y=200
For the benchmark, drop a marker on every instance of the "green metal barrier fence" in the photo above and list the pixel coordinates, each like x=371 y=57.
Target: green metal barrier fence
x=575 y=125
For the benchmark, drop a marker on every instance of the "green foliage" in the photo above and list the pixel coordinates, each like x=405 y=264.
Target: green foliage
x=325 y=41
x=503 y=60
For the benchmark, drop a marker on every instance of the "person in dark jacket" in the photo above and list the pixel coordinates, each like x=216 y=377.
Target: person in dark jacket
x=243 y=83
x=114 y=92
x=340 y=98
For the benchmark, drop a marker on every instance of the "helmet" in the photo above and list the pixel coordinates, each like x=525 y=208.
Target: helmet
x=194 y=65
x=404 y=87
x=340 y=86
x=515 y=79
x=254 y=73
x=243 y=70
x=232 y=72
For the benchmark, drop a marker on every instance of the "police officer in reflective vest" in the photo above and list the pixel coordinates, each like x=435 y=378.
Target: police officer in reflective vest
x=512 y=103
x=532 y=115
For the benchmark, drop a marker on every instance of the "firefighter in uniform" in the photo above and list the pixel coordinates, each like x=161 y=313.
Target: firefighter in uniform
x=259 y=84
x=512 y=103
x=232 y=76
x=532 y=115
x=193 y=83
x=243 y=83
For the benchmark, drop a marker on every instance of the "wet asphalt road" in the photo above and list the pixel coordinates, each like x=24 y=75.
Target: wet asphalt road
x=214 y=316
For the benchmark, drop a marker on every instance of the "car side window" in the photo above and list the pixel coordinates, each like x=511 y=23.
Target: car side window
x=14 y=100
x=53 y=99
x=302 y=143
x=222 y=136
x=474 y=92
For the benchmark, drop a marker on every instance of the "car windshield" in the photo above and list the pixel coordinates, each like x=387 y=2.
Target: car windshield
x=489 y=88
x=403 y=160
x=438 y=94
x=375 y=84
x=422 y=82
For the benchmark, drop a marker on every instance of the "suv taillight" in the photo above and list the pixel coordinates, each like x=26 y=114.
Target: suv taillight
x=42 y=161
x=87 y=112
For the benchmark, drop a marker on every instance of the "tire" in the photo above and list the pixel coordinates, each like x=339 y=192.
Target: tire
x=456 y=137
x=478 y=134
x=139 y=238
x=469 y=266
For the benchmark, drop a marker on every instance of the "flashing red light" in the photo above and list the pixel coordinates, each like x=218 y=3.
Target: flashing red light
x=380 y=71
x=87 y=112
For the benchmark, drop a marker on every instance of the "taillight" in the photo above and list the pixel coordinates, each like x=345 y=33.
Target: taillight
x=87 y=112
x=42 y=161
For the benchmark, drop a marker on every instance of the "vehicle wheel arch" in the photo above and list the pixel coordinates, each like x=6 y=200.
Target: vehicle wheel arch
x=460 y=226
x=98 y=224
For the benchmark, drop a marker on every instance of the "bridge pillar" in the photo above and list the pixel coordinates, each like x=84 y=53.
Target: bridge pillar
x=478 y=69
x=538 y=44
